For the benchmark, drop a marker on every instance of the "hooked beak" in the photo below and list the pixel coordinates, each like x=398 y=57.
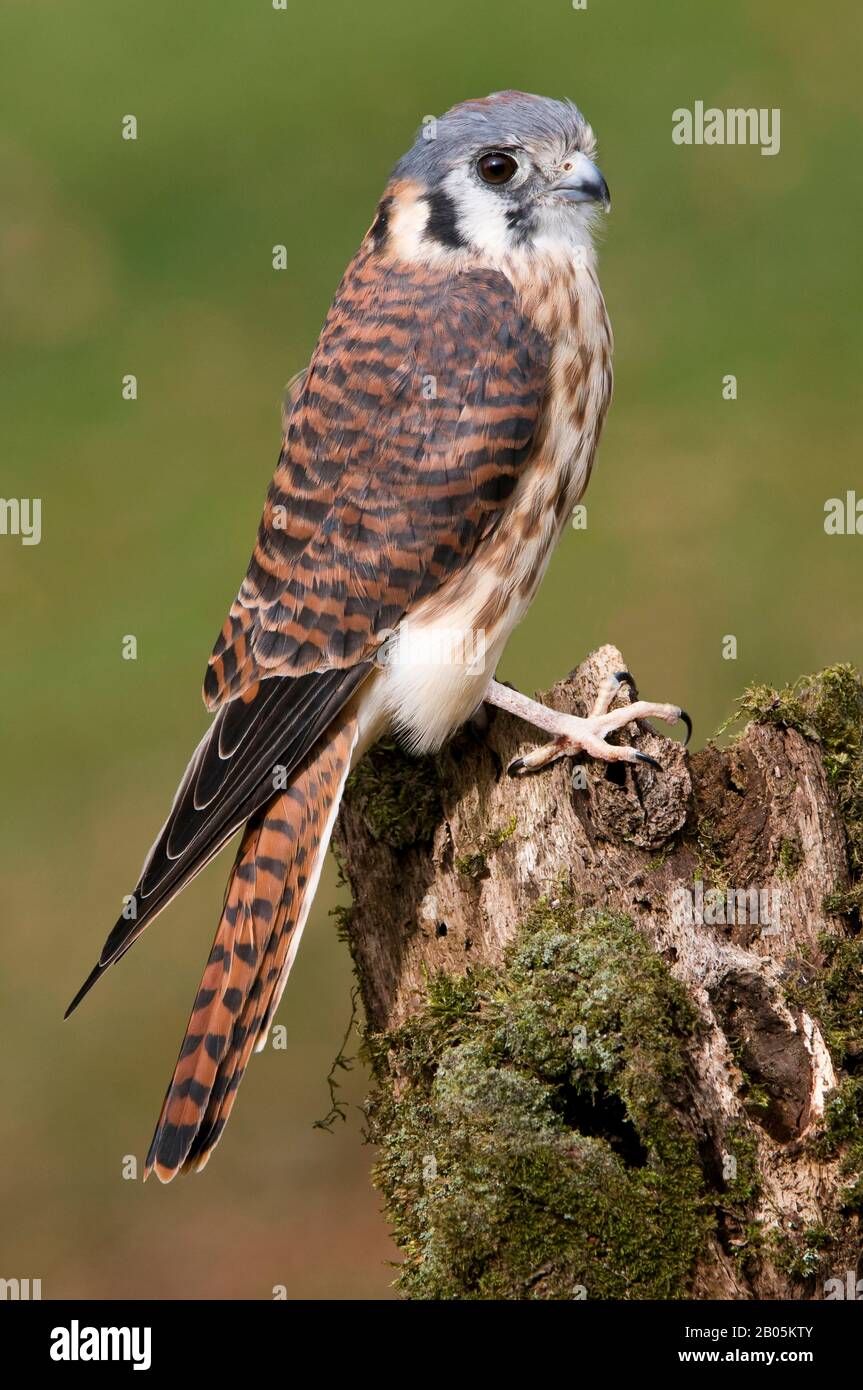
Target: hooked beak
x=582 y=183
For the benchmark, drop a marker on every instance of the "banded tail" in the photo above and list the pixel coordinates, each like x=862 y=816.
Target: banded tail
x=266 y=905
x=305 y=728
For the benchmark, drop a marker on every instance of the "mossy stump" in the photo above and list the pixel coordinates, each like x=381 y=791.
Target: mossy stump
x=616 y=1022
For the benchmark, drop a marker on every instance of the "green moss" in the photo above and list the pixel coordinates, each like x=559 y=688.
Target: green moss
x=530 y=1144
x=789 y=858
x=844 y=901
x=756 y=1098
x=743 y=1237
x=843 y=1137
x=800 y=1254
x=475 y=863
x=495 y=838
x=743 y=1181
x=658 y=860
x=828 y=708
x=342 y=914
x=472 y=865
x=710 y=866
x=748 y=1245
x=398 y=795
x=835 y=997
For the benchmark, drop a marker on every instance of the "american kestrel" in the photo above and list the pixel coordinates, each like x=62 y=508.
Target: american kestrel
x=433 y=451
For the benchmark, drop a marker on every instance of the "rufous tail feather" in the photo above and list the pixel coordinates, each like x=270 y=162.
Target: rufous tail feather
x=266 y=904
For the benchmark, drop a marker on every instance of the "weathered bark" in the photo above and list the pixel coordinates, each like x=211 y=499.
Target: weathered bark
x=447 y=858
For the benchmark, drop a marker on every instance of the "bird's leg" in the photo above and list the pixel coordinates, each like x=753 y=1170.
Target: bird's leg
x=575 y=735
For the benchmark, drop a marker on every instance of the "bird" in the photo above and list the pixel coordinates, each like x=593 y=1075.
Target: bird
x=432 y=453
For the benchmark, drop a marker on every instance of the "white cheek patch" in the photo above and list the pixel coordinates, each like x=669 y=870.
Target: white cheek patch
x=407 y=226
x=558 y=229
x=480 y=219
x=480 y=213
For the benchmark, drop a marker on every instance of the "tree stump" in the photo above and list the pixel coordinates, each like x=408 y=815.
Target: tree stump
x=614 y=1014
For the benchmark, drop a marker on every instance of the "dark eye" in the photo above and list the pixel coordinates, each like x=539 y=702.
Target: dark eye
x=496 y=167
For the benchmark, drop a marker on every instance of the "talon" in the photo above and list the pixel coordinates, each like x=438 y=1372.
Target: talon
x=624 y=677
x=684 y=719
x=516 y=767
x=646 y=758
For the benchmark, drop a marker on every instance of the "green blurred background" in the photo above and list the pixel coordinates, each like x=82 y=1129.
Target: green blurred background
x=705 y=516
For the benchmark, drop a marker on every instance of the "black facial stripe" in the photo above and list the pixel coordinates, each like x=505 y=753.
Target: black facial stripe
x=381 y=225
x=442 y=225
x=521 y=219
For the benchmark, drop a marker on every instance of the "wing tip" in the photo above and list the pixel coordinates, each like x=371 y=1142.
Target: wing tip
x=96 y=973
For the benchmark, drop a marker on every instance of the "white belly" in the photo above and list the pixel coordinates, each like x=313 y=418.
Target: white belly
x=437 y=672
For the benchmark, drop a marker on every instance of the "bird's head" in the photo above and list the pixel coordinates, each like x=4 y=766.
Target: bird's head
x=494 y=176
